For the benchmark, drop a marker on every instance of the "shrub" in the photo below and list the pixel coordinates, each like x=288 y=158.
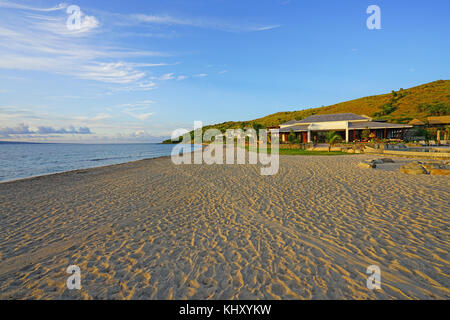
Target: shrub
x=291 y=137
x=257 y=126
x=385 y=109
x=365 y=134
x=437 y=109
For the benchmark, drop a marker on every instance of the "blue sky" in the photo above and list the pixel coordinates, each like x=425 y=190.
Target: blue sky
x=137 y=70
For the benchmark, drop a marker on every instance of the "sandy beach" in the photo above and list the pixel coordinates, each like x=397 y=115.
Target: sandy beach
x=153 y=230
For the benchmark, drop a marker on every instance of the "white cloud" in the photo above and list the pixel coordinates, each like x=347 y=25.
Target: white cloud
x=144 y=116
x=201 y=75
x=266 y=27
x=19 y=129
x=141 y=86
x=101 y=116
x=139 y=116
x=42 y=42
x=118 y=72
x=70 y=130
x=198 y=22
x=167 y=76
x=146 y=85
x=162 y=19
x=88 y=23
x=22 y=129
x=134 y=110
x=12 y=5
x=138 y=105
x=13 y=112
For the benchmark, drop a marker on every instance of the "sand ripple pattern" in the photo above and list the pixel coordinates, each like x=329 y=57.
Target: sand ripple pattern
x=153 y=230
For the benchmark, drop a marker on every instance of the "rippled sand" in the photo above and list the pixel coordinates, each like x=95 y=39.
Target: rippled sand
x=153 y=230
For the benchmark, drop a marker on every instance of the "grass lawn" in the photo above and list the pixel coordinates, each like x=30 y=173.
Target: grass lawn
x=303 y=152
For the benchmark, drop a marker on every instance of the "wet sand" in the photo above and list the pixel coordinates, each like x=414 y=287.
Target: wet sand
x=153 y=230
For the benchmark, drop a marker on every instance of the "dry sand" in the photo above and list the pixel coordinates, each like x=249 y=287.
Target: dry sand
x=153 y=230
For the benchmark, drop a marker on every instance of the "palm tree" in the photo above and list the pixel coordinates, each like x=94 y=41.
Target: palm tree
x=332 y=137
x=291 y=137
x=447 y=132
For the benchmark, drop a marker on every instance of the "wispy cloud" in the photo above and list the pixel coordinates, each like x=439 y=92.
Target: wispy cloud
x=209 y=23
x=33 y=38
x=13 y=114
x=131 y=111
x=134 y=110
x=22 y=124
x=167 y=76
x=96 y=118
x=54 y=24
x=13 y=5
x=139 y=116
x=119 y=72
x=263 y=28
x=36 y=38
x=137 y=105
x=141 y=86
x=42 y=42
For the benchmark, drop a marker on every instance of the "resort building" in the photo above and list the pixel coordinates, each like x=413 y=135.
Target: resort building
x=349 y=125
x=438 y=122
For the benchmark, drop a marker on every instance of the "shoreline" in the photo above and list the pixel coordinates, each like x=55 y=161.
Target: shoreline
x=81 y=170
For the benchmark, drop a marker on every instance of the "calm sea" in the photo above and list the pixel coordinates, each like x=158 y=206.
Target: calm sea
x=19 y=161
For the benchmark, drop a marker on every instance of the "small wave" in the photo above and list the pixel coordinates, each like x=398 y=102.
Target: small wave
x=104 y=159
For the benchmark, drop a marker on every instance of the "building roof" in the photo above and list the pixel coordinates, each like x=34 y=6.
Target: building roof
x=416 y=122
x=289 y=122
x=352 y=126
x=297 y=128
x=439 y=120
x=376 y=125
x=333 y=117
x=354 y=122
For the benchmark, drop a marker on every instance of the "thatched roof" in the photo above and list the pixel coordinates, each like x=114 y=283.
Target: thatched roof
x=416 y=122
x=439 y=120
x=376 y=125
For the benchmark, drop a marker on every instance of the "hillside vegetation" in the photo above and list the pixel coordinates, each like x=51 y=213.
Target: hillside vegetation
x=430 y=99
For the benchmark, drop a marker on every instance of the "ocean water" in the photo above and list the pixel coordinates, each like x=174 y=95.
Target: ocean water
x=19 y=161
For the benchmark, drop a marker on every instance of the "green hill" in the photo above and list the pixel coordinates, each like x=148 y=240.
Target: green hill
x=430 y=99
